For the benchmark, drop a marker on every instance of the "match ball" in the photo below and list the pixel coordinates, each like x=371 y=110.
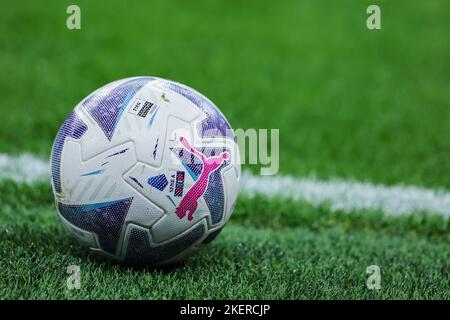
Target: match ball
x=145 y=171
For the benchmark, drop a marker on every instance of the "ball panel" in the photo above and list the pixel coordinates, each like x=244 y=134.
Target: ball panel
x=143 y=212
x=212 y=235
x=215 y=123
x=86 y=238
x=97 y=179
x=231 y=185
x=107 y=104
x=104 y=219
x=72 y=127
x=139 y=249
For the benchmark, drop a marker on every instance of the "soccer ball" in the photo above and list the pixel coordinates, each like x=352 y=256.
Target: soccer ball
x=145 y=171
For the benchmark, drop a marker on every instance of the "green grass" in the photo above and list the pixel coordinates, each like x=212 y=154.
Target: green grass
x=243 y=263
x=349 y=103
x=270 y=250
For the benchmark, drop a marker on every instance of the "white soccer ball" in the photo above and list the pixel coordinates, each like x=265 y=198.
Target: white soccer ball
x=145 y=170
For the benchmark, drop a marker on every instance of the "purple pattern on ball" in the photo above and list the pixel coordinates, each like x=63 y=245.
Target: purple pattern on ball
x=107 y=104
x=215 y=125
x=158 y=182
x=104 y=219
x=72 y=127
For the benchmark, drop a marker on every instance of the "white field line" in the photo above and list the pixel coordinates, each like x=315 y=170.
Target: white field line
x=24 y=168
x=340 y=195
x=350 y=196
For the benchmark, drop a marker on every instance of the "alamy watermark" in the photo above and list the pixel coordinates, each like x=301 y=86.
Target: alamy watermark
x=74 y=277
x=374 y=279
x=374 y=20
x=260 y=148
x=73 y=21
x=251 y=146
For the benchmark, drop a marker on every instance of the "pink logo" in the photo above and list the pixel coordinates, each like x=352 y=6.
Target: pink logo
x=189 y=203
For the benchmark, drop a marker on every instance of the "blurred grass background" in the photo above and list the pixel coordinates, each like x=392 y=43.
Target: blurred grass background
x=349 y=103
